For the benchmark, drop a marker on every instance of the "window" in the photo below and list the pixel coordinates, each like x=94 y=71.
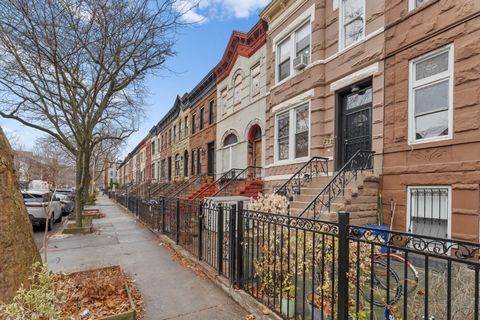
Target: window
x=228 y=144
x=230 y=139
x=352 y=22
x=237 y=92
x=211 y=107
x=202 y=116
x=162 y=169
x=185 y=127
x=153 y=170
x=302 y=41
x=296 y=45
x=413 y=4
x=193 y=162
x=284 y=60
x=224 y=96
x=431 y=97
x=194 y=125
x=177 y=165
x=292 y=133
x=174 y=133
x=199 y=161
x=255 y=74
x=153 y=147
x=429 y=211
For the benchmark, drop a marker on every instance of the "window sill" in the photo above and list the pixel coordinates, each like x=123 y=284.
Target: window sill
x=280 y=163
x=429 y=140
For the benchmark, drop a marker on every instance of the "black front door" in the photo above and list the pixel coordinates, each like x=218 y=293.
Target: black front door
x=169 y=168
x=354 y=124
x=210 y=158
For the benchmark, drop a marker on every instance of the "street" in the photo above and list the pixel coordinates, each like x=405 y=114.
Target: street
x=38 y=233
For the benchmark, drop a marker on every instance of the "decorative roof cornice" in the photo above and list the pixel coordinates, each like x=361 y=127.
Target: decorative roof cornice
x=241 y=44
x=202 y=88
x=273 y=9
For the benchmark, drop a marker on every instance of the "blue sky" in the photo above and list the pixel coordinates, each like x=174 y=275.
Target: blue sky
x=199 y=48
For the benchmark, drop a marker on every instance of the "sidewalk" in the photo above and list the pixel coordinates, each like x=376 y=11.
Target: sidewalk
x=169 y=290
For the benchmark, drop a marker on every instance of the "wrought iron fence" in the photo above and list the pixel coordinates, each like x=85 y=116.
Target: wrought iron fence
x=309 y=269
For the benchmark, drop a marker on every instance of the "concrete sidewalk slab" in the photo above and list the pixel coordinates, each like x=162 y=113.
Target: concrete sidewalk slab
x=170 y=291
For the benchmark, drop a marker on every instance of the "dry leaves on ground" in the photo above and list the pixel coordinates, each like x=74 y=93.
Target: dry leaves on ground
x=184 y=261
x=102 y=292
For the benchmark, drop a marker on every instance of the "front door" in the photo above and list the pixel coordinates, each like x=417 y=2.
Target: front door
x=210 y=158
x=354 y=122
x=169 y=168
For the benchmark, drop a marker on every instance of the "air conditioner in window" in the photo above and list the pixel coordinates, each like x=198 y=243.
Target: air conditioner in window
x=300 y=62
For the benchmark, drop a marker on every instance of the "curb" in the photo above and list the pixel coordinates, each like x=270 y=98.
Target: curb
x=246 y=301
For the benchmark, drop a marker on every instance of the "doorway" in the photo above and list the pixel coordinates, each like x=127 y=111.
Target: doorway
x=255 y=146
x=169 y=169
x=185 y=163
x=354 y=121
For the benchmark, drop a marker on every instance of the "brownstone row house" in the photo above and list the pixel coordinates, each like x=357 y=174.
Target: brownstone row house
x=203 y=120
x=326 y=80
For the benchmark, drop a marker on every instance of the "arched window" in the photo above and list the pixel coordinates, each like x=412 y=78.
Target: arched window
x=228 y=144
x=237 y=89
x=230 y=139
x=177 y=165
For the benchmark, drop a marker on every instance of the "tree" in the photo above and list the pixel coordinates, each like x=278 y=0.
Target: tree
x=17 y=248
x=74 y=69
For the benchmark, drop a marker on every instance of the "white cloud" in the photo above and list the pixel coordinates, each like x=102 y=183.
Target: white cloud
x=200 y=11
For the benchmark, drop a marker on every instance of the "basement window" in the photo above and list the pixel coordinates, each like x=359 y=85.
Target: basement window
x=429 y=211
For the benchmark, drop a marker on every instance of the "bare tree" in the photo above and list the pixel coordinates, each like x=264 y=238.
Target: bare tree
x=102 y=156
x=74 y=69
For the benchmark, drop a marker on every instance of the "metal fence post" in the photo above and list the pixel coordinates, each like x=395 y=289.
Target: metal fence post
x=177 y=226
x=163 y=215
x=239 y=245
x=343 y=264
x=220 y=239
x=232 y=232
x=200 y=231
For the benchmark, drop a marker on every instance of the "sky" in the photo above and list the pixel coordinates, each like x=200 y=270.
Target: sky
x=199 y=48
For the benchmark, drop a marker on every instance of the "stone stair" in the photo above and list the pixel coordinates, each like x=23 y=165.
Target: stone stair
x=360 y=199
x=251 y=188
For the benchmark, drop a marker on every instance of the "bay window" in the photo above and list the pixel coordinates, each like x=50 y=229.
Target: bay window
x=431 y=96
x=292 y=133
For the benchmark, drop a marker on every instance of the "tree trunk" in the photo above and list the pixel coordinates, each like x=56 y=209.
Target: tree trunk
x=17 y=247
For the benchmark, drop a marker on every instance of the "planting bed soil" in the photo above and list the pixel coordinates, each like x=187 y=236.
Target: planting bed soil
x=107 y=293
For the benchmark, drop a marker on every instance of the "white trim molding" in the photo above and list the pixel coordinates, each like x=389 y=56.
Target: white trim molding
x=303 y=97
x=308 y=14
x=355 y=77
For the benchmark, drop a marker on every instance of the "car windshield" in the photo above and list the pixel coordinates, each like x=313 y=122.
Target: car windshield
x=62 y=197
x=28 y=197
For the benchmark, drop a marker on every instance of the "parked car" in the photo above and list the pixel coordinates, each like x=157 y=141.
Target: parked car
x=37 y=203
x=67 y=204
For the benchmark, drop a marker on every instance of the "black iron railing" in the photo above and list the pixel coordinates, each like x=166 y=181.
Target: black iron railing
x=315 y=167
x=240 y=177
x=311 y=269
x=188 y=186
x=361 y=161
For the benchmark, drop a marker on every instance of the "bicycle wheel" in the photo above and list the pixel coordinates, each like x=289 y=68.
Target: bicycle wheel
x=397 y=263
x=386 y=289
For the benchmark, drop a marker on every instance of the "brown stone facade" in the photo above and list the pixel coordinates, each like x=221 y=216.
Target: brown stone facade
x=331 y=70
x=203 y=96
x=453 y=162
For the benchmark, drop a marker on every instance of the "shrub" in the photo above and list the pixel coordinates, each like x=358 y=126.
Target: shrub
x=37 y=302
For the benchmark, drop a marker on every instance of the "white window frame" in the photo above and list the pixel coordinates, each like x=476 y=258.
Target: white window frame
x=412 y=5
x=291 y=134
x=449 y=205
x=341 y=32
x=237 y=89
x=291 y=35
x=253 y=75
x=413 y=85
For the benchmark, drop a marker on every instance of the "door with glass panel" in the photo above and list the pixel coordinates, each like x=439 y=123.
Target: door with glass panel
x=354 y=123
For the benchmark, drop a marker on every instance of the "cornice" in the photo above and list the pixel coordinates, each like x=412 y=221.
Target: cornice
x=241 y=44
